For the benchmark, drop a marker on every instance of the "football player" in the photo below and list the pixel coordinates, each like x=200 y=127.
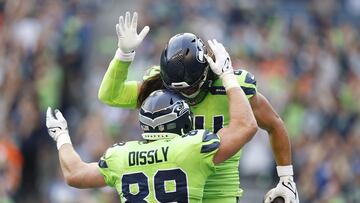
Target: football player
x=184 y=67
x=173 y=162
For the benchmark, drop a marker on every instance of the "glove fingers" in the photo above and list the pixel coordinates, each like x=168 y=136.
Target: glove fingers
x=144 y=32
x=59 y=115
x=127 y=19
x=212 y=46
x=217 y=44
x=209 y=60
x=269 y=196
x=222 y=48
x=267 y=200
x=119 y=31
x=48 y=116
x=134 y=21
x=121 y=24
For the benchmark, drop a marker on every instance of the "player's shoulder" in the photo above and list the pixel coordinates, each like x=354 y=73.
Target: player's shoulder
x=206 y=140
x=120 y=147
x=245 y=77
x=194 y=134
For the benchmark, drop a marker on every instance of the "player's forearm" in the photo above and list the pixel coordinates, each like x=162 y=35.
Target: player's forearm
x=70 y=163
x=280 y=143
x=270 y=121
x=241 y=128
x=76 y=172
x=114 y=90
x=242 y=118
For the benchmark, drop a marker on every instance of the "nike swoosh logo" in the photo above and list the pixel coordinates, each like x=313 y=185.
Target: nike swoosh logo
x=290 y=188
x=53 y=129
x=226 y=64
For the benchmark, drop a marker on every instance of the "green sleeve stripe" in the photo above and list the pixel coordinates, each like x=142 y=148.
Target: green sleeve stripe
x=247 y=82
x=246 y=79
x=209 y=136
x=249 y=90
x=210 y=147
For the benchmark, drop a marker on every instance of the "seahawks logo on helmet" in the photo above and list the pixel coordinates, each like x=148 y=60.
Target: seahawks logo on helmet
x=163 y=116
x=164 y=113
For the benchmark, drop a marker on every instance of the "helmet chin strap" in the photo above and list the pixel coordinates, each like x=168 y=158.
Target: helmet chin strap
x=199 y=95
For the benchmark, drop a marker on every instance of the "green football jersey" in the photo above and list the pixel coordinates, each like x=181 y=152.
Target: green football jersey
x=211 y=114
x=172 y=170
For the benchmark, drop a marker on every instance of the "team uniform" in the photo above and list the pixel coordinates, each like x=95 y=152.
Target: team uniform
x=211 y=114
x=169 y=170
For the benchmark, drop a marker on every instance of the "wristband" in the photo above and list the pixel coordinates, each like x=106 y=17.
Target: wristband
x=229 y=81
x=63 y=139
x=285 y=170
x=124 y=56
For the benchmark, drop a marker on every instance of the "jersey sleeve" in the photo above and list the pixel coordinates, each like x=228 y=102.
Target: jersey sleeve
x=107 y=167
x=247 y=82
x=210 y=144
x=115 y=90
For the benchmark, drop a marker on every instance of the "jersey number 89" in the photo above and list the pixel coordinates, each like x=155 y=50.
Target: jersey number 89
x=180 y=194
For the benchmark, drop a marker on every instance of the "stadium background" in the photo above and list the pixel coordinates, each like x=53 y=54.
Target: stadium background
x=304 y=54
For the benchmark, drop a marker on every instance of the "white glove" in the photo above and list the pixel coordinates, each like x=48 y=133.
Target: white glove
x=222 y=65
x=57 y=127
x=128 y=39
x=286 y=188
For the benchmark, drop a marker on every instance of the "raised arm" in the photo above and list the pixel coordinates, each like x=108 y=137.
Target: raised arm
x=114 y=89
x=76 y=172
x=242 y=125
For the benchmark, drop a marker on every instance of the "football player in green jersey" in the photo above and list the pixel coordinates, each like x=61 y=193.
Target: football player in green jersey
x=184 y=69
x=173 y=163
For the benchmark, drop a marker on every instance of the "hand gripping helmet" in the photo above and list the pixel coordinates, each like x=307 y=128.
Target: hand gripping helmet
x=183 y=67
x=163 y=115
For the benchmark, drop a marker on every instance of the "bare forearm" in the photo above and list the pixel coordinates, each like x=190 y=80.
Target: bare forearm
x=240 y=110
x=270 y=121
x=280 y=144
x=76 y=172
x=241 y=129
x=70 y=161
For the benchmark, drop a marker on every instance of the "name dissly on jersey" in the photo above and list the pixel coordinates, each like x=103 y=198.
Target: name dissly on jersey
x=148 y=157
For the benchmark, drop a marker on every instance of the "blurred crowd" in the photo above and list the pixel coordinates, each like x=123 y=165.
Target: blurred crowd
x=304 y=54
x=44 y=46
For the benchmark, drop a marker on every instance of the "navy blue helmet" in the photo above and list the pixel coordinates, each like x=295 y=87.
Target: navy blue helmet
x=183 y=67
x=164 y=114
